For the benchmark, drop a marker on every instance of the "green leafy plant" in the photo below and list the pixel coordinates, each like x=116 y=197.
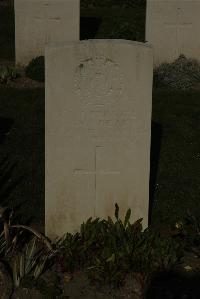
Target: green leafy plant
x=36 y=69
x=31 y=261
x=165 y=254
x=103 y=247
x=188 y=233
x=107 y=270
x=69 y=247
x=110 y=249
x=182 y=74
x=120 y=241
x=7 y=74
x=26 y=257
x=82 y=245
x=126 y=29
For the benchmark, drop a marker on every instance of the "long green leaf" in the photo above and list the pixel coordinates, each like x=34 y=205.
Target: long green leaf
x=127 y=217
x=116 y=211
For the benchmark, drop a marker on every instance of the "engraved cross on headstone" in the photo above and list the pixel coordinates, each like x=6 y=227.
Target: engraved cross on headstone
x=178 y=26
x=96 y=171
x=44 y=21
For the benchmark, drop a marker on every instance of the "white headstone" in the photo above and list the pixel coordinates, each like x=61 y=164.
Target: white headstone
x=39 y=22
x=172 y=27
x=98 y=122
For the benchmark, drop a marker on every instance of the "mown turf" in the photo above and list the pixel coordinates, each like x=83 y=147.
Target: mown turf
x=178 y=180
x=22 y=142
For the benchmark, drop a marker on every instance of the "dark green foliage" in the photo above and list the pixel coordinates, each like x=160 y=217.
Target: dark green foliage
x=181 y=74
x=191 y=230
x=120 y=19
x=162 y=253
x=188 y=231
x=26 y=255
x=31 y=261
x=118 y=23
x=70 y=252
x=49 y=288
x=7 y=74
x=109 y=249
x=111 y=3
x=36 y=69
x=126 y=28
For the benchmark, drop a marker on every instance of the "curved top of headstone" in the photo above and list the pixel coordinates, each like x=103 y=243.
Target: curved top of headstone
x=101 y=41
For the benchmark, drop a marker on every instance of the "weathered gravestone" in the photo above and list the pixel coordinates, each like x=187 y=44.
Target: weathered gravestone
x=39 y=22
x=98 y=119
x=172 y=27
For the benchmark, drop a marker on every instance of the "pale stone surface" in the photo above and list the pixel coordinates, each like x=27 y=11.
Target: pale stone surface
x=39 y=22
x=172 y=27
x=98 y=122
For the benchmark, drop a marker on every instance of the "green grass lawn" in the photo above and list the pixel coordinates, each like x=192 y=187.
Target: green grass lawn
x=176 y=114
x=178 y=180
x=23 y=145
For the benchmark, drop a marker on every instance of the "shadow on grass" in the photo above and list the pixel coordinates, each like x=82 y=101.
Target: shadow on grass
x=156 y=137
x=89 y=27
x=171 y=285
x=7 y=188
x=7 y=184
x=5 y=126
x=7 y=168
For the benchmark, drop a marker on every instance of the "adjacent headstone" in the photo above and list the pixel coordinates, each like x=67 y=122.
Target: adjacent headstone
x=39 y=22
x=172 y=27
x=98 y=120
